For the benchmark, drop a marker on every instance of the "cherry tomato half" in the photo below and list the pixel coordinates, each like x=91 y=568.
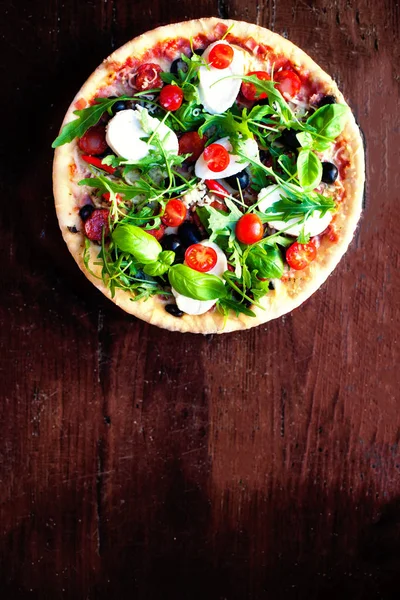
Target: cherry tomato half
x=249 y=89
x=171 y=97
x=157 y=233
x=175 y=213
x=191 y=143
x=289 y=83
x=94 y=141
x=220 y=56
x=148 y=77
x=299 y=256
x=216 y=157
x=201 y=258
x=249 y=229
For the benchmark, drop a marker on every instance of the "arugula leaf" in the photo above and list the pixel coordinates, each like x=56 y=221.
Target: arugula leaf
x=299 y=206
x=104 y=184
x=267 y=261
x=188 y=117
x=327 y=123
x=134 y=240
x=196 y=285
x=87 y=117
x=275 y=98
x=309 y=169
x=225 y=305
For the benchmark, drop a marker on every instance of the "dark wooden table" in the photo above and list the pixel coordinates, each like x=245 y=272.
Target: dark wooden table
x=138 y=463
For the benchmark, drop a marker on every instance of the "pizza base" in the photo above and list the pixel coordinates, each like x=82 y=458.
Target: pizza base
x=285 y=297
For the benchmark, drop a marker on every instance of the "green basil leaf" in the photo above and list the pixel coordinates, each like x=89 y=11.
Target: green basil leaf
x=305 y=139
x=225 y=305
x=199 y=286
x=267 y=261
x=309 y=169
x=134 y=240
x=161 y=265
x=328 y=122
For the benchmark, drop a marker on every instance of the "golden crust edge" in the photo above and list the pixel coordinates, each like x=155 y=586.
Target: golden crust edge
x=152 y=310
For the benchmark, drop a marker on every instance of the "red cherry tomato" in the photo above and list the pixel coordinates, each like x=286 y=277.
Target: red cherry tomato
x=157 y=233
x=95 y=224
x=191 y=143
x=201 y=258
x=94 y=140
x=220 y=56
x=96 y=162
x=299 y=256
x=249 y=89
x=175 y=213
x=216 y=157
x=171 y=97
x=289 y=83
x=148 y=77
x=249 y=229
x=216 y=188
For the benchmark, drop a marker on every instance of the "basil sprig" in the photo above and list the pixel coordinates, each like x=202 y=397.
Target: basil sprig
x=144 y=247
x=326 y=124
x=309 y=169
x=268 y=261
x=199 y=286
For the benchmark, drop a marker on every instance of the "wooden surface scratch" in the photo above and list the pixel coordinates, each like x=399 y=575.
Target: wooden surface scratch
x=140 y=463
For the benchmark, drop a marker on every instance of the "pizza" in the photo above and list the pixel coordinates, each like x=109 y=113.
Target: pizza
x=208 y=176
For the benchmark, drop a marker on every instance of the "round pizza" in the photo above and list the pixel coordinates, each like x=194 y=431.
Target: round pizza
x=208 y=176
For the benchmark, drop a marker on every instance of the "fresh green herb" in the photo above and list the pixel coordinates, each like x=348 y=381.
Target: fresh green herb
x=309 y=169
x=134 y=240
x=267 y=261
x=225 y=305
x=326 y=124
x=199 y=286
x=299 y=206
x=160 y=266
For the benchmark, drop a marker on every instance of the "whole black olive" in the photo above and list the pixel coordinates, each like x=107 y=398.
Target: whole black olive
x=325 y=100
x=120 y=105
x=329 y=172
x=240 y=180
x=199 y=51
x=178 y=65
x=271 y=286
x=189 y=234
x=173 y=310
x=172 y=242
x=288 y=138
x=86 y=211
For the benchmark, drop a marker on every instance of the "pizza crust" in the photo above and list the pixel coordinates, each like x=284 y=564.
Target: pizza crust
x=285 y=297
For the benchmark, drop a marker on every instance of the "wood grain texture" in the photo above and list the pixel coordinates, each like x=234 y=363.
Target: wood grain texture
x=138 y=463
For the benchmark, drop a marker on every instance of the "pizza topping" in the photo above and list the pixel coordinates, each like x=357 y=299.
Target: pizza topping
x=220 y=56
x=189 y=234
x=171 y=97
x=216 y=188
x=325 y=100
x=200 y=258
x=97 y=225
x=249 y=90
x=148 y=77
x=299 y=256
x=97 y=162
x=173 y=310
x=125 y=133
x=329 y=172
x=175 y=213
x=217 y=89
x=193 y=144
x=216 y=164
x=289 y=83
x=239 y=181
x=94 y=141
x=157 y=233
x=249 y=229
x=86 y=211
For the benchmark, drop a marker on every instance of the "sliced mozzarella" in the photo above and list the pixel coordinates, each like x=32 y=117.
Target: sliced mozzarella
x=235 y=166
x=314 y=225
x=199 y=307
x=125 y=132
x=217 y=96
